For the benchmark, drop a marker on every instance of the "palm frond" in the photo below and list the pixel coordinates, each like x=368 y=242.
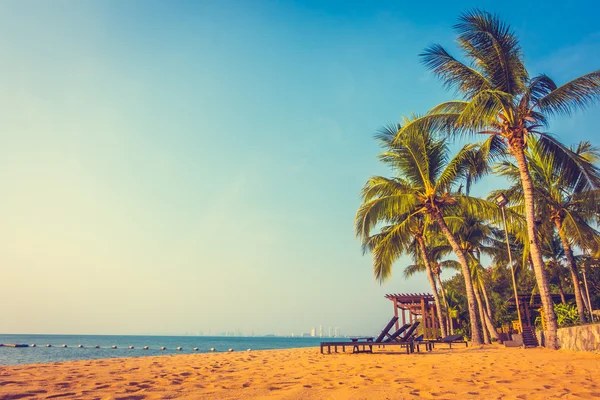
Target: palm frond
x=452 y=72
x=572 y=96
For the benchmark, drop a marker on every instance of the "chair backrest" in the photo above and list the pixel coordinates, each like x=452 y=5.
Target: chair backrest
x=409 y=333
x=452 y=338
x=394 y=335
x=385 y=330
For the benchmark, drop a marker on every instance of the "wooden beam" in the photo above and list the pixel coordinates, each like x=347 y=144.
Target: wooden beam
x=396 y=312
x=423 y=316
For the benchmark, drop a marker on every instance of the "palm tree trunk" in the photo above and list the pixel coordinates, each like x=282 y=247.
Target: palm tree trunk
x=561 y=291
x=450 y=327
x=534 y=248
x=572 y=264
x=487 y=318
x=486 y=337
x=475 y=334
x=487 y=302
x=436 y=297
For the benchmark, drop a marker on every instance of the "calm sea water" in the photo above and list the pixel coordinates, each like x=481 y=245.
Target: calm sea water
x=43 y=354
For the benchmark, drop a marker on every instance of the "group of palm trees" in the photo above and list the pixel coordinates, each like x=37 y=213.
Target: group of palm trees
x=426 y=210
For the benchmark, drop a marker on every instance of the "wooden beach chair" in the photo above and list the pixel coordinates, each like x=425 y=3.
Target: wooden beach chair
x=399 y=332
x=365 y=342
x=449 y=340
x=407 y=340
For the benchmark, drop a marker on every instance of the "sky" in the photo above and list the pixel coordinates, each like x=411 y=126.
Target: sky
x=195 y=166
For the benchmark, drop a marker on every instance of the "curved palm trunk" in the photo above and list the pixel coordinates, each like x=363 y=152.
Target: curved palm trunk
x=475 y=334
x=487 y=318
x=572 y=264
x=487 y=302
x=486 y=337
x=450 y=327
x=436 y=297
x=561 y=292
x=557 y=267
x=534 y=248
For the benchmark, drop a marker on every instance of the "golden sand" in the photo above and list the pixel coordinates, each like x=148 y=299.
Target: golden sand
x=490 y=372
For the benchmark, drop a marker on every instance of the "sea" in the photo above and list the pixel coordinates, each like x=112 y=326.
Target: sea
x=57 y=353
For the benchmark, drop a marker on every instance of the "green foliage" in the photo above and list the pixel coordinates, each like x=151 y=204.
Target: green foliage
x=566 y=314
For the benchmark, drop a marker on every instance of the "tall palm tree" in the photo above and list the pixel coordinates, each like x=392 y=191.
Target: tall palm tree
x=561 y=193
x=424 y=188
x=500 y=99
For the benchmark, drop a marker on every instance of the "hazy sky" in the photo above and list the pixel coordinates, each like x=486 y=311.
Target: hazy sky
x=170 y=166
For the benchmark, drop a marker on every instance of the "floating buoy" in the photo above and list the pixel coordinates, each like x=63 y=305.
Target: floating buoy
x=163 y=348
x=212 y=349
x=80 y=346
x=195 y=349
x=33 y=345
x=64 y=345
x=97 y=347
x=249 y=350
x=179 y=349
x=146 y=347
x=131 y=347
x=113 y=347
x=230 y=350
x=48 y=345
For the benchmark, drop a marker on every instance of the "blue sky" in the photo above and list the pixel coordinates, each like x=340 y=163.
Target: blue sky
x=171 y=167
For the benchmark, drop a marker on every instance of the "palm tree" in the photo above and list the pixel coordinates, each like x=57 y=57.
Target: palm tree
x=562 y=194
x=424 y=188
x=500 y=99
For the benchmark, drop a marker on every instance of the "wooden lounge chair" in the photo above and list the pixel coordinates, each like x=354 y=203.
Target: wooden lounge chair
x=450 y=339
x=399 y=332
x=407 y=340
x=365 y=342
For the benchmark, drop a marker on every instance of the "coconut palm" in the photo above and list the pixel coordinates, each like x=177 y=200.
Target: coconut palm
x=563 y=195
x=500 y=99
x=425 y=187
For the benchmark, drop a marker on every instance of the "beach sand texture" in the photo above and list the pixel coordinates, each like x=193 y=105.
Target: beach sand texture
x=490 y=372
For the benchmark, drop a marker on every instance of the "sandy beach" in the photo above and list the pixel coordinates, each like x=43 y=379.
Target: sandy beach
x=489 y=372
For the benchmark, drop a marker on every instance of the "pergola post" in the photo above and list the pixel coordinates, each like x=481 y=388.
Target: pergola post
x=396 y=312
x=423 y=316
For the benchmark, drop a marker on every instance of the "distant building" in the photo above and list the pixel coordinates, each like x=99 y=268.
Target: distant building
x=313 y=332
x=320 y=330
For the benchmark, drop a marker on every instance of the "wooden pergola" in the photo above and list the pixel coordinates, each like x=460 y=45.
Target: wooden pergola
x=418 y=306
